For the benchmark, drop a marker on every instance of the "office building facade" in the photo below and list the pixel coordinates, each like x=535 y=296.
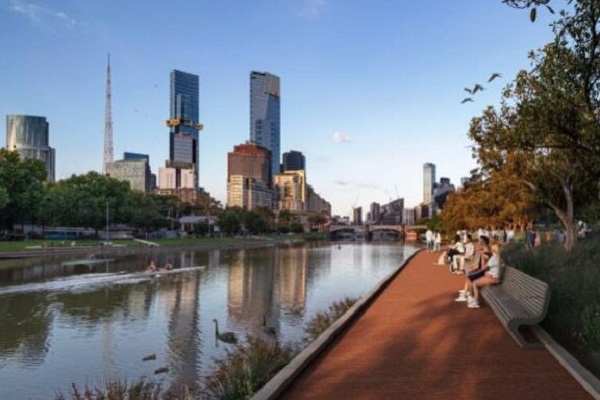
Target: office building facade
x=136 y=172
x=29 y=136
x=184 y=126
x=250 y=161
x=265 y=122
x=428 y=182
x=293 y=161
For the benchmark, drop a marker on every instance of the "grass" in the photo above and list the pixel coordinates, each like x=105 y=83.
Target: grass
x=247 y=368
x=15 y=246
x=123 y=390
x=323 y=320
x=574 y=313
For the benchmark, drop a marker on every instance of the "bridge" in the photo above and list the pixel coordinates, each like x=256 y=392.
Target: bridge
x=409 y=232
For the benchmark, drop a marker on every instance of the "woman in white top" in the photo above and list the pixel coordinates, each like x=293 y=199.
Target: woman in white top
x=491 y=276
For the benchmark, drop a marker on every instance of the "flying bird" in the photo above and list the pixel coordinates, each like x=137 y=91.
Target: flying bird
x=494 y=76
x=477 y=88
x=468 y=99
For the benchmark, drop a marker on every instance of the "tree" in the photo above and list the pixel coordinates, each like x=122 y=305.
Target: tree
x=21 y=188
x=82 y=200
x=317 y=219
x=230 y=220
x=285 y=219
x=254 y=222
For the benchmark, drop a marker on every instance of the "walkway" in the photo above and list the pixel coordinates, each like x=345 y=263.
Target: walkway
x=415 y=342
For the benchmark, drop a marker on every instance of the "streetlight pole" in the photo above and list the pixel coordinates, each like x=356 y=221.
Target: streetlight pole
x=107 y=238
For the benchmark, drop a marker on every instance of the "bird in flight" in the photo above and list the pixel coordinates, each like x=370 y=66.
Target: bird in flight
x=466 y=100
x=494 y=76
x=477 y=88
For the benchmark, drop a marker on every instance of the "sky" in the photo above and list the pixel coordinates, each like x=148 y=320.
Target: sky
x=370 y=90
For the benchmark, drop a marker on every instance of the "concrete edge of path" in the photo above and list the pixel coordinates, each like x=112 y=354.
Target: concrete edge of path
x=585 y=378
x=286 y=376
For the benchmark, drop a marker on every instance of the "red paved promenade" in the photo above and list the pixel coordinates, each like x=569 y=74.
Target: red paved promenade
x=415 y=342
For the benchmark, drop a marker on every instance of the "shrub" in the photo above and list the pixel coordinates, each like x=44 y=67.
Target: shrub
x=247 y=368
x=123 y=390
x=322 y=320
x=574 y=313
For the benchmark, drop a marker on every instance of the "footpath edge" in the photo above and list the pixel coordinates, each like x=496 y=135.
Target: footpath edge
x=584 y=377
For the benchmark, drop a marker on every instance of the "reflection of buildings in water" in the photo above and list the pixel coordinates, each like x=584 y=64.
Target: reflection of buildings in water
x=26 y=323
x=250 y=288
x=214 y=258
x=290 y=291
x=180 y=297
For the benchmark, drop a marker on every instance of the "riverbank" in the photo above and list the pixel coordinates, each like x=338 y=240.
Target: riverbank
x=39 y=248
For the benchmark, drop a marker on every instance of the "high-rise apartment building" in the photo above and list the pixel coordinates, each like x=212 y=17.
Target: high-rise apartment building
x=375 y=213
x=29 y=136
x=357 y=216
x=250 y=161
x=249 y=182
x=184 y=125
x=133 y=168
x=265 y=120
x=428 y=182
x=293 y=161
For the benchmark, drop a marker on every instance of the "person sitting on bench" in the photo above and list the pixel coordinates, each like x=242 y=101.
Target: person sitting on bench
x=465 y=295
x=491 y=275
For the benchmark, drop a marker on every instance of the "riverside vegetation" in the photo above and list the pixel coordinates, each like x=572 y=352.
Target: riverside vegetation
x=245 y=369
x=573 y=317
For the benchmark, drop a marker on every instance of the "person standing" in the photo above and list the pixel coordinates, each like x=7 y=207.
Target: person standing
x=429 y=239
x=437 y=241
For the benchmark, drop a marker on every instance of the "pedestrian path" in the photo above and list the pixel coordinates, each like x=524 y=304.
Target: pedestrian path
x=415 y=342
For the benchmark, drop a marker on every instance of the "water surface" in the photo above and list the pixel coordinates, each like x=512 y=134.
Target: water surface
x=64 y=322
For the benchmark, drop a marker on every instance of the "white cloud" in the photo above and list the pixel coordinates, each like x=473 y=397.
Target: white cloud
x=42 y=15
x=312 y=8
x=339 y=137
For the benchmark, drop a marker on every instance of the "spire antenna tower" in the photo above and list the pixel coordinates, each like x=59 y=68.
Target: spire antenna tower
x=108 y=123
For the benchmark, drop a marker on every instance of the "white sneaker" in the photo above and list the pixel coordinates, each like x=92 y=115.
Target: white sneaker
x=470 y=298
x=461 y=298
x=473 y=304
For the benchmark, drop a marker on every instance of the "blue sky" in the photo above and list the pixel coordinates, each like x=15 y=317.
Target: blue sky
x=370 y=90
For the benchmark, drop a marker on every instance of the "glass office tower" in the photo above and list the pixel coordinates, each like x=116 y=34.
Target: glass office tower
x=264 y=115
x=184 y=125
x=29 y=136
x=428 y=182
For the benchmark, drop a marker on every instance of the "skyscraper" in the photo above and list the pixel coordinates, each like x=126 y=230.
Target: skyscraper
x=428 y=182
x=249 y=182
x=293 y=161
x=28 y=135
x=184 y=125
x=265 y=114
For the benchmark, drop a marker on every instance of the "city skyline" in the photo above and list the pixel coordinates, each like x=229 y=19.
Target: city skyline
x=366 y=103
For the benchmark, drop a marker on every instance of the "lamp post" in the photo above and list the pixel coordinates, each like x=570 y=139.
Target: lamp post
x=107 y=241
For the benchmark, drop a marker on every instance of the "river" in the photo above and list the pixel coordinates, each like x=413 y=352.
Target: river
x=64 y=321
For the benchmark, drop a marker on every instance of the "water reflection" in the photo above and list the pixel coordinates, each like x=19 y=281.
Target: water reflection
x=54 y=334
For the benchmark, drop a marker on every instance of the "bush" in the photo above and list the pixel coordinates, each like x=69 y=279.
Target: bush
x=323 y=320
x=123 y=390
x=247 y=368
x=574 y=313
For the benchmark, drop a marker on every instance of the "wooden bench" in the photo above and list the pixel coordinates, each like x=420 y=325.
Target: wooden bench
x=518 y=300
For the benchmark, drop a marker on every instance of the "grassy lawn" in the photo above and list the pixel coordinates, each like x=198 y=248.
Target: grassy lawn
x=12 y=246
